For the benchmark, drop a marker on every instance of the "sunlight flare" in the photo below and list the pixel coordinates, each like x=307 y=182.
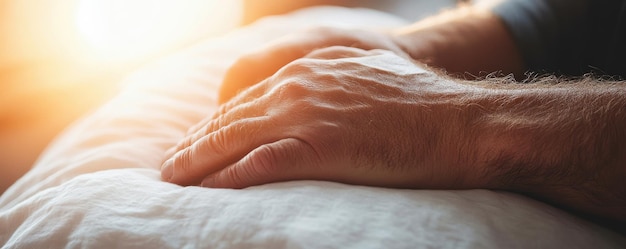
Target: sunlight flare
x=127 y=30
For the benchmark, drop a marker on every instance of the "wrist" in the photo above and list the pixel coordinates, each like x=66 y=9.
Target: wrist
x=544 y=142
x=457 y=109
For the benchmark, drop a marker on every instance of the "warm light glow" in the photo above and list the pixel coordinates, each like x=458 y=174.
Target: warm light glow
x=132 y=29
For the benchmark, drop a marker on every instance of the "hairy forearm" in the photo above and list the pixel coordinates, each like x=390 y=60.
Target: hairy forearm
x=565 y=142
x=468 y=40
x=561 y=141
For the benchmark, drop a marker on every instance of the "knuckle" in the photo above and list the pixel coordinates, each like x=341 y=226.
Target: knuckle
x=182 y=161
x=338 y=52
x=293 y=89
x=193 y=137
x=234 y=176
x=302 y=66
x=263 y=161
x=212 y=126
x=324 y=53
x=221 y=140
x=222 y=109
x=215 y=125
x=217 y=141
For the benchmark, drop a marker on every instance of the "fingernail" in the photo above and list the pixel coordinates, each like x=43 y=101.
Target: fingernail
x=167 y=171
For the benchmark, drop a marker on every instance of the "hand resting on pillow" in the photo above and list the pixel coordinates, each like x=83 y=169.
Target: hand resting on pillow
x=340 y=114
x=376 y=117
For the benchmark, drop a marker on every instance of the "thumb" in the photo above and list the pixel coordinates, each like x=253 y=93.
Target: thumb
x=284 y=160
x=246 y=72
x=252 y=68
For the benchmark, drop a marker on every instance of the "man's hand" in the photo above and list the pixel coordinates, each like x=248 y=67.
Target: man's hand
x=375 y=118
x=255 y=67
x=339 y=114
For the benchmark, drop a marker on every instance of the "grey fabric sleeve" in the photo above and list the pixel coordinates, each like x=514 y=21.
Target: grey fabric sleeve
x=541 y=27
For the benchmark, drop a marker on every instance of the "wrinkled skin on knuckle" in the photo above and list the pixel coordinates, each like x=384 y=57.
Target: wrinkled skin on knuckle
x=182 y=161
x=293 y=81
x=233 y=177
x=297 y=68
x=217 y=141
x=263 y=161
x=213 y=126
x=291 y=91
x=196 y=134
x=316 y=115
x=336 y=52
x=183 y=167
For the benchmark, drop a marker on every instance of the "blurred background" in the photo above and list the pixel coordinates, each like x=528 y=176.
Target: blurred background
x=61 y=58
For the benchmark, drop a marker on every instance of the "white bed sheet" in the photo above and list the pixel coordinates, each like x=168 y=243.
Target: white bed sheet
x=98 y=185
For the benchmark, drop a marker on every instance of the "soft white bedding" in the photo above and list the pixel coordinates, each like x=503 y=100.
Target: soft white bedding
x=98 y=185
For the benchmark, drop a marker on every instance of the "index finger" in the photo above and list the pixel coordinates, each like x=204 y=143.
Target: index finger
x=217 y=150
